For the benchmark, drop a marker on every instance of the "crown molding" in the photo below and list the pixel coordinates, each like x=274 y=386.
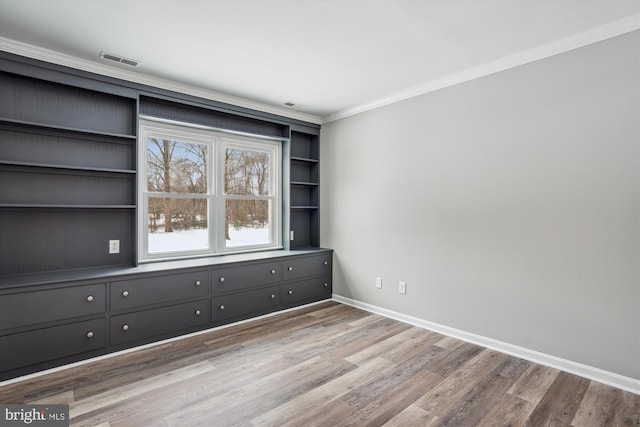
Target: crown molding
x=46 y=55
x=594 y=35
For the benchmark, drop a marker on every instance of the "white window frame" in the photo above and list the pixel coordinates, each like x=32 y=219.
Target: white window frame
x=218 y=140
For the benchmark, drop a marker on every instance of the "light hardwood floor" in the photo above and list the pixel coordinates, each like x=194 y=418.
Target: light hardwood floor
x=325 y=365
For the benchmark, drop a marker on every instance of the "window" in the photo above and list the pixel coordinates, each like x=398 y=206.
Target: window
x=204 y=192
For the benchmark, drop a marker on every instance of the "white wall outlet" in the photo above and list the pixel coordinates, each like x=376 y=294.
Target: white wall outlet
x=114 y=246
x=379 y=282
x=402 y=287
x=291 y=235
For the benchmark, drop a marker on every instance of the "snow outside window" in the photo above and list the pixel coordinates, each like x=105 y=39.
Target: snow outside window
x=203 y=192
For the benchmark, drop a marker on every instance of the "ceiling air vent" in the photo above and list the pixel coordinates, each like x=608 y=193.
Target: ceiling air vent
x=116 y=58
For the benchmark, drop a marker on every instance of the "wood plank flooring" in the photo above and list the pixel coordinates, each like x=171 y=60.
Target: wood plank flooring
x=325 y=365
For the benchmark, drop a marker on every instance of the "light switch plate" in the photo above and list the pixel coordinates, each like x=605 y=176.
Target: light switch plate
x=114 y=246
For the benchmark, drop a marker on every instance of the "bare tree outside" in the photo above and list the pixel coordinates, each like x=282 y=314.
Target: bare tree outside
x=176 y=168
x=158 y=177
x=246 y=174
x=180 y=206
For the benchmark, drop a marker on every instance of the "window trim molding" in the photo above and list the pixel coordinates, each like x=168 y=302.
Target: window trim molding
x=217 y=140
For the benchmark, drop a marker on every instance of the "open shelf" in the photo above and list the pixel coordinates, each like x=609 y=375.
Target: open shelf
x=304 y=159
x=25 y=123
x=55 y=238
x=304 y=190
x=55 y=206
x=68 y=174
x=66 y=167
x=304 y=146
x=52 y=186
x=55 y=106
x=47 y=146
x=304 y=222
x=304 y=172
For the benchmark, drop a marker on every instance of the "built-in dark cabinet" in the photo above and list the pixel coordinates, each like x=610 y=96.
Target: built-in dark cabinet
x=238 y=277
x=50 y=320
x=50 y=305
x=300 y=267
x=244 y=304
x=50 y=344
x=145 y=325
x=296 y=292
x=68 y=187
x=145 y=291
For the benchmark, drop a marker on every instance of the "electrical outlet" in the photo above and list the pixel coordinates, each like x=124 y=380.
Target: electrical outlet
x=379 y=282
x=402 y=287
x=291 y=235
x=114 y=246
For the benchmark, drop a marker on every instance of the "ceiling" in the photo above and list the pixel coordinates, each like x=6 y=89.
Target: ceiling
x=331 y=58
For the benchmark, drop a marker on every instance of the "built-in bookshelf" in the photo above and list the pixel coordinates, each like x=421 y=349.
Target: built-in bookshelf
x=68 y=172
x=68 y=164
x=304 y=192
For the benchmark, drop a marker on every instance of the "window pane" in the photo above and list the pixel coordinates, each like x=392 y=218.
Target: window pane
x=187 y=229
x=247 y=223
x=176 y=167
x=246 y=172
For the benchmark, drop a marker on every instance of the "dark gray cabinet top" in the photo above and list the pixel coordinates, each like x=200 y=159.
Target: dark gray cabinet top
x=93 y=274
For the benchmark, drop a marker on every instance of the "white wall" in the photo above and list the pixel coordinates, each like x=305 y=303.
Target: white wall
x=509 y=204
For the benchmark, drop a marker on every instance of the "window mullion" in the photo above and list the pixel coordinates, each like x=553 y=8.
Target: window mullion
x=220 y=216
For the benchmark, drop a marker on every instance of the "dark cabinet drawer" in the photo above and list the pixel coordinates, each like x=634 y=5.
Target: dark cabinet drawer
x=30 y=308
x=158 y=289
x=244 y=303
x=244 y=276
x=158 y=321
x=41 y=345
x=306 y=266
x=306 y=290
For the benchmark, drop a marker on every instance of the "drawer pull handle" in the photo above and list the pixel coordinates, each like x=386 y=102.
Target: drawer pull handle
x=326 y=263
x=90 y=298
x=221 y=279
x=89 y=334
x=197 y=312
x=125 y=327
x=125 y=293
x=290 y=268
x=273 y=296
x=198 y=283
x=222 y=308
x=290 y=292
x=273 y=272
x=326 y=285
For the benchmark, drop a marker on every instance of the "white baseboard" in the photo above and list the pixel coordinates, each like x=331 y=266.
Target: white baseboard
x=615 y=380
